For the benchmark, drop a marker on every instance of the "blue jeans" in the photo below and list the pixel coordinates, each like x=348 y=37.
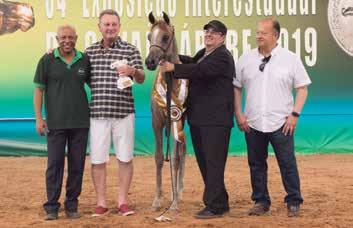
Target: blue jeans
x=257 y=145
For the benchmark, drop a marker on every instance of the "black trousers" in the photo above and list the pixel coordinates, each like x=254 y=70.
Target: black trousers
x=283 y=146
x=211 y=149
x=76 y=142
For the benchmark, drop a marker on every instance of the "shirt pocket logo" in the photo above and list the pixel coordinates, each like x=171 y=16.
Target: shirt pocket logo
x=81 y=72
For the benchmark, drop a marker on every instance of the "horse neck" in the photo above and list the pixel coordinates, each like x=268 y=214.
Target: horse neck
x=173 y=57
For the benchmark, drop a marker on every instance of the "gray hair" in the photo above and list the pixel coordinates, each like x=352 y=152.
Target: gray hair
x=109 y=12
x=66 y=26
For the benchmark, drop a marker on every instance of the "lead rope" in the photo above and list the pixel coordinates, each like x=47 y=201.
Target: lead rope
x=169 y=81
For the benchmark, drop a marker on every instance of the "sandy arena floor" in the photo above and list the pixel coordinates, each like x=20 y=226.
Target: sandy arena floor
x=327 y=188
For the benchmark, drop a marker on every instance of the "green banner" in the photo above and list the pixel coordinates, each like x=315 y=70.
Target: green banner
x=320 y=32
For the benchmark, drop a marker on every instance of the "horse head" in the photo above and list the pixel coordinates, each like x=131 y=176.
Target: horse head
x=162 y=41
x=14 y=16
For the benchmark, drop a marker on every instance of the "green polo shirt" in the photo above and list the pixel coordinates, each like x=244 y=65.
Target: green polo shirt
x=66 y=103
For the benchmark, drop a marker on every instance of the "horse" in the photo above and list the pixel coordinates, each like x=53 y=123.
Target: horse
x=14 y=16
x=163 y=46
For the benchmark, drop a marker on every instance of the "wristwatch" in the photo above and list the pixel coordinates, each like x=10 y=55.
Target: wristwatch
x=295 y=114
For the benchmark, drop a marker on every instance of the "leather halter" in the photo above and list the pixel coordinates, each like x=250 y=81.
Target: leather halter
x=168 y=46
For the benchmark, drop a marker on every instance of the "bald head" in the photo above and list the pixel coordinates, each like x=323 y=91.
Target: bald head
x=273 y=23
x=267 y=34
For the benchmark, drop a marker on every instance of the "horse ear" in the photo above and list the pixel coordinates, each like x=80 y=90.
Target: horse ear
x=166 y=18
x=151 y=18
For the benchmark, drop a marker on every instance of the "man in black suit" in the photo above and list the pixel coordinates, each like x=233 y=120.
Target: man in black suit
x=210 y=111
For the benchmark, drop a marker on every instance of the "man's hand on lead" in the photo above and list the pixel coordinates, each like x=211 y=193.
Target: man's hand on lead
x=166 y=66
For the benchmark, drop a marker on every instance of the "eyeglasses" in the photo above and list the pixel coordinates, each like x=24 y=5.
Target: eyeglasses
x=211 y=32
x=62 y=38
x=263 y=64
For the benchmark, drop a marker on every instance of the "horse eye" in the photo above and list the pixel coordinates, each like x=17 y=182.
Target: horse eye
x=149 y=36
x=165 y=39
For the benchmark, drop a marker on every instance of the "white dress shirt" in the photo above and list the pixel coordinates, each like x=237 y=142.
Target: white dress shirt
x=269 y=99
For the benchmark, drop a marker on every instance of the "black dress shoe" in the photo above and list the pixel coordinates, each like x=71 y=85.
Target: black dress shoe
x=207 y=214
x=293 y=210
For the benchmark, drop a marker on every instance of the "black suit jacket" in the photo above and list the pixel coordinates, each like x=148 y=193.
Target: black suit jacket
x=211 y=96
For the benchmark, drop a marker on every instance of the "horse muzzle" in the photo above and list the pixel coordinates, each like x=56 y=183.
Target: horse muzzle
x=151 y=63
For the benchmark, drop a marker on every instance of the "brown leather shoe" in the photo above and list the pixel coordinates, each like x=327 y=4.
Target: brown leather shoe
x=259 y=209
x=207 y=214
x=293 y=210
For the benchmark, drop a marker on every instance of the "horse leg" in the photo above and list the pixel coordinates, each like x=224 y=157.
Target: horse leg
x=157 y=128
x=156 y=205
x=174 y=169
x=181 y=169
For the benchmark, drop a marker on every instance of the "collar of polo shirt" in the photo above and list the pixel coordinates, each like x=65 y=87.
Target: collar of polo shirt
x=116 y=44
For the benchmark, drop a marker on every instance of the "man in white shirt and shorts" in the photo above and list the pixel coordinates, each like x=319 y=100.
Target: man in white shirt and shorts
x=112 y=111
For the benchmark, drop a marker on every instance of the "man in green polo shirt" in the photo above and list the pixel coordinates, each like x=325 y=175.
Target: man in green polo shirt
x=60 y=77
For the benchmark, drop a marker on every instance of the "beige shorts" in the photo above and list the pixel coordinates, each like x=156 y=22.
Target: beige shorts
x=121 y=132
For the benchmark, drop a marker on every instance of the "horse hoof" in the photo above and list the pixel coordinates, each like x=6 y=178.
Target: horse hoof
x=180 y=196
x=174 y=207
x=154 y=208
x=156 y=205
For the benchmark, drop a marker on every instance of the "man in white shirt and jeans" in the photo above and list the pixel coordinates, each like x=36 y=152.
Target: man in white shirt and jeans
x=268 y=74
